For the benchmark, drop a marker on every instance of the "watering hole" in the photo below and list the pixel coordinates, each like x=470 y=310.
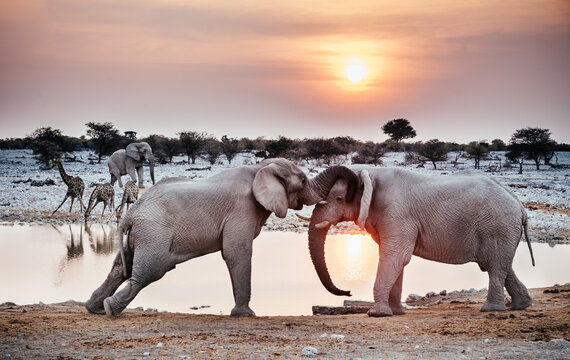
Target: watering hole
x=58 y=263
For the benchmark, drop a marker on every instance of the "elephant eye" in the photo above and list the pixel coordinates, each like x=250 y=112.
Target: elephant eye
x=339 y=198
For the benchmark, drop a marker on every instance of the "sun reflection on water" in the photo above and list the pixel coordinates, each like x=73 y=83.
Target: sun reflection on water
x=354 y=256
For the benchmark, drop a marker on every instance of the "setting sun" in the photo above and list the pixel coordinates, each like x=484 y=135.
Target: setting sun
x=355 y=70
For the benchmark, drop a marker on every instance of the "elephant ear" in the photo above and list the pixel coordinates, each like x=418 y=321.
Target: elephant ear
x=365 y=200
x=132 y=151
x=269 y=190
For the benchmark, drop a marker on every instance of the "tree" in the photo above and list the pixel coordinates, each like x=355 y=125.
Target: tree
x=229 y=147
x=477 y=150
x=532 y=143
x=324 y=149
x=498 y=145
x=49 y=144
x=191 y=143
x=399 y=129
x=516 y=155
x=433 y=150
x=164 y=148
x=105 y=139
x=370 y=153
x=212 y=150
x=279 y=147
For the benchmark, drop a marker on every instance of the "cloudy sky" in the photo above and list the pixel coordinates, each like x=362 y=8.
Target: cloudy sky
x=458 y=70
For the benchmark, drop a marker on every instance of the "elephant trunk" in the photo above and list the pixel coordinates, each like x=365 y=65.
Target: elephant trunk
x=318 y=188
x=317 y=237
x=151 y=166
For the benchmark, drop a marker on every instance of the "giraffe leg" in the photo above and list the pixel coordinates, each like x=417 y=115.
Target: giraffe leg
x=71 y=206
x=104 y=207
x=81 y=201
x=65 y=198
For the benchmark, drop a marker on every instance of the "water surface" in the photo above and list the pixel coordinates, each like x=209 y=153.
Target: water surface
x=59 y=263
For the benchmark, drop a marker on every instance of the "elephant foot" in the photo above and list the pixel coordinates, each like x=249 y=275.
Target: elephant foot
x=107 y=304
x=398 y=310
x=242 y=311
x=493 y=307
x=380 y=311
x=521 y=304
x=95 y=308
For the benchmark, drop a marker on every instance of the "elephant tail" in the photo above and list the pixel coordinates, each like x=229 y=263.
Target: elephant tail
x=525 y=228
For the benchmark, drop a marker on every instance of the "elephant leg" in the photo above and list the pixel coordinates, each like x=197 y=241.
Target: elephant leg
x=65 y=198
x=140 y=174
x=238 y=259
x=386 y=286
x=520 y=299
x=395 y=297
x=115 y=278
x=495 y=295
x=132 y=173
x=148 y=267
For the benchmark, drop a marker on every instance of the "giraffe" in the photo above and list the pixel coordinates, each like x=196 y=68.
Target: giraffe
x=130 y=195
x=102 y=193
x=75 y=187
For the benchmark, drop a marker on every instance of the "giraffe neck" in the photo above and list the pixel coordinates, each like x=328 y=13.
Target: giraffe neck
x=66 y=178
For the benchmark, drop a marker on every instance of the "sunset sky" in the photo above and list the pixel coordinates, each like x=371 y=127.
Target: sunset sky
x=458 y=70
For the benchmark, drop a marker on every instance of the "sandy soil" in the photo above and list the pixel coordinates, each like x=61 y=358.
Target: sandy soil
x=451 y=327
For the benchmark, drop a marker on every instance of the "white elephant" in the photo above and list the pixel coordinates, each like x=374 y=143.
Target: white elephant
x=452 y=219
x=179 y=219
x=130 y=161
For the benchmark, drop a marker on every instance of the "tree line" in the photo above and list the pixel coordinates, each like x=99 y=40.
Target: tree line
x=103 y=139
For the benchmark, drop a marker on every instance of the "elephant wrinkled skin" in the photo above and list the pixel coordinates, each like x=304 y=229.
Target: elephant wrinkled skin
x=179 y=219
x=452 y=219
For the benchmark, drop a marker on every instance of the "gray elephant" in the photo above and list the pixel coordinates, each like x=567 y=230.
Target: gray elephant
x=179 y=219
x=452 y=219
x=130 y=161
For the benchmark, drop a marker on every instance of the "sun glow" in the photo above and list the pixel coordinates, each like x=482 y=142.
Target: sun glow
x=354 y=256
x=355 y=70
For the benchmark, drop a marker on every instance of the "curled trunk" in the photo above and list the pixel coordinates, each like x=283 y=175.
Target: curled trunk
x=319 y=187
x=317 y=239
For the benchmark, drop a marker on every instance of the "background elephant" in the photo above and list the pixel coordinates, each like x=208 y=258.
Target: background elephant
x=452 y=219
x=179 y=219
x=129 y=160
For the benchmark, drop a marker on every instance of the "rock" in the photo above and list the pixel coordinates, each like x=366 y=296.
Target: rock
x=358 y=303
x=413 y=297
x=339 y=310
x=310 y=351
x=337 y=337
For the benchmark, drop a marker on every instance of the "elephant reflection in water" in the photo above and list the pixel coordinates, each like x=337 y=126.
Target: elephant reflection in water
x=101 y=241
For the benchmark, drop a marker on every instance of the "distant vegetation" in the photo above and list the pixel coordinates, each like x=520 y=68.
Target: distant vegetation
x=103 y=139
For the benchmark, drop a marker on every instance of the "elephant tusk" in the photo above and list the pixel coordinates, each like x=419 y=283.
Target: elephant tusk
x=303 y=217
x=323 y=202
x=323 y=224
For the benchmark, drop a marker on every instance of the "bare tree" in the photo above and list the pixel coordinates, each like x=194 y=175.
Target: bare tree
x=433 y=150
x=477 y=150
x=105 y=138
x=192 y=142
x=229 y=147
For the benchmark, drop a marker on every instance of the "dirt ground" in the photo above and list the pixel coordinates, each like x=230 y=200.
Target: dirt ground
x=449 y=327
